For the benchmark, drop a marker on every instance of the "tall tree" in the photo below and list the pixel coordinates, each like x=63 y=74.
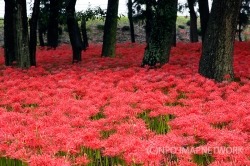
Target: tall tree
x=43 y=21
x=16 y=34
x=52 y=35
x=110 y=28
x=216 y=60
x=243 y=17
x=74 y=31
x=159 y=44
x=131 y=23
x=204 y=16
x=149 y=19
x=174 y=37
x=9 y=47
x=84 y=16
x=193 y=22
x=33 y=32
x=84 y=33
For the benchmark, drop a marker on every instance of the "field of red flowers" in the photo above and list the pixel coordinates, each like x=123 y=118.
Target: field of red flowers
x=105 y=111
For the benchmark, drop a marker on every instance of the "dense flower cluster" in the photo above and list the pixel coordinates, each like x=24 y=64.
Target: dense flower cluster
x=49 y=113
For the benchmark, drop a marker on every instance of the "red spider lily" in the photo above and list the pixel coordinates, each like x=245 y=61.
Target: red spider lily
x=50 y=113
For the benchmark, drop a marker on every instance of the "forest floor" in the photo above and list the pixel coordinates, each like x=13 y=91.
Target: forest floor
x=95 y=31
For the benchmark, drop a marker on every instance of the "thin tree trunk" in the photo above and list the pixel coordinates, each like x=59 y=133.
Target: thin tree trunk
x=74 y=32
x=193 y=22
x=41 y=32
x=204 y=16
x=174 y=37
x=239 y=33
x=33 y=32
x=131 y=23
x=217 y=50
x=52 y=35
x=84 y=33
x=159 y=45
x=110 y=28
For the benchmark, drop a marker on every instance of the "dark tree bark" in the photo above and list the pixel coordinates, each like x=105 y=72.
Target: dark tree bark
x=217 y=51
x=204 y=16
x=239 y=32
x=41 y=31
x=74 y=32
x=33 y=32
x=159 y=45
x=174 y=37
x=19 y=42
x=9 y=47
x=131 y=23
x=84 y=33
x=193 y=22
x=149 y=19
x=110 y=28
x=52 y=35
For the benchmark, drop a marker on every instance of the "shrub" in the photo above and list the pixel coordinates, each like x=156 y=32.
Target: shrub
x=125 y=28
x=181 y=26
x=66 y=29
x=100 y=27
x=188 y=23
x=199 y=31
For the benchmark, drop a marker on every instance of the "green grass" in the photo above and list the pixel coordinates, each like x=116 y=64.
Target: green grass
x=182 y=21
x=122 y=21
x=1 y=22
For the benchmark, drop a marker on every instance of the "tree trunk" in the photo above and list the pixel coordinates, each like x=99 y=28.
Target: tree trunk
x=9 y=47
x=159 y=45
x=174 y=37
x=193 y=22
x=19 y=42
x=52 y=35
x=74 y=32
x=110 y=28
x=204 y=16
x=41 y=32
x=131 y=23
x=239 y=32
x=217 y=51
x=149 y=20
x=33 y=32
x=84 y=33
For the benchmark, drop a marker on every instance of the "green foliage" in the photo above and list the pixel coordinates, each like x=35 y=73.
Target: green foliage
x=199 y=31
x=32 y=105
x=98 y=116
x=220 y=125
x=100 y=27
x=95 y=157
x=91 y=14
x=203 y=159
x=125 y=28
x=182 y=20
x=157 y=124
x=6 y=161
x=181 y=26
x=107 y=133
x=1 y=23
x=188 y=23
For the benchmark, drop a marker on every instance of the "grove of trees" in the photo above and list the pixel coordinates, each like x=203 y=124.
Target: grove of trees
x=218 y=30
